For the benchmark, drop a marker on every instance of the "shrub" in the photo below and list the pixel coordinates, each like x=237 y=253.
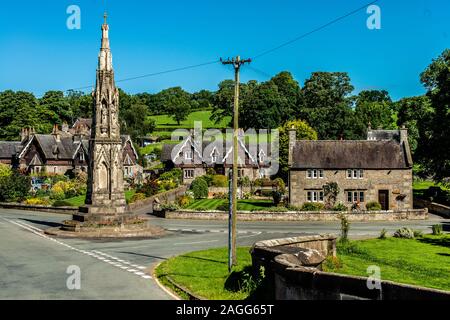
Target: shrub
x=383 y=234
x=174 y=175
x=5 y=170
x=137 y=197
x=332 y=263
x=209 y=179
x=200 y=188
x=277 y=196
x=220 y=195
x=437 y=229
x=37 y=202
x=404 y=233
x=219 y=181
x=224 y=206
x=331 y=191
x=312 y=206
x=373 y=206
x=149 y=188
x=184 y=201
x=417 y=233
x=170 y=207
x=14 y=188
x=266 y=193
x=340 y=207
x=61 y=203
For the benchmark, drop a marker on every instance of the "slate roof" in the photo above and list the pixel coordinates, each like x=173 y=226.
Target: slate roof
x=350 y=154
x=8 y=149
x=63 y=149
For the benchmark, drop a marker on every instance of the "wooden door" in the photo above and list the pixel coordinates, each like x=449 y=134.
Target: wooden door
x=383 y=199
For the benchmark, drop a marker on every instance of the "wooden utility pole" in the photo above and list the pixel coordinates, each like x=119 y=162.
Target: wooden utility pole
x=237 y=63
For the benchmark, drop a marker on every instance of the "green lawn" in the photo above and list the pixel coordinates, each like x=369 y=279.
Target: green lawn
x=163 y=121
x=204 y=273
x=79 y=201
x=423 y=261
x=419 y=187
x=243 y=205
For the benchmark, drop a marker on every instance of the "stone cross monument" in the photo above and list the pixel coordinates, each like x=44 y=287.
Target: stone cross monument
x=105 y=199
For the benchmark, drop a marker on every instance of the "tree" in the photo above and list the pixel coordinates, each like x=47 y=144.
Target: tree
x=81 y=105
x=436 y=78
x=416 y=114
x=375 y=108
x=136 y=122
x=57 y=104
x=175 y=102
x=326 y=105
x=303 y=131
x=290 y=89
x=261 y=106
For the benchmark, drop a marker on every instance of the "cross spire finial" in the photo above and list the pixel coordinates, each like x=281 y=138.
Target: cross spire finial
x=105 y=16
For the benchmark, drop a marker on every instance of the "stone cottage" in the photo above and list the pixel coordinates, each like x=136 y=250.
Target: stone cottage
x=64 y=150
x=377 y=169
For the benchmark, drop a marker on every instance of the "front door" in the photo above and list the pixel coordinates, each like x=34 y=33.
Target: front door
x=383 y=199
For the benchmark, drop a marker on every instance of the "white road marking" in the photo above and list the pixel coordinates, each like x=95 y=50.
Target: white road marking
x=188 y=243
x=94 y=254
x=252 y=235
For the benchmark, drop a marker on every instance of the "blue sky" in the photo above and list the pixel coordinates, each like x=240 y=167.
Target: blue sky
x=38 y=52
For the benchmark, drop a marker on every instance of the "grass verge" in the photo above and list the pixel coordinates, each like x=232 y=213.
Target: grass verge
x=423 y=261
x=244 y=205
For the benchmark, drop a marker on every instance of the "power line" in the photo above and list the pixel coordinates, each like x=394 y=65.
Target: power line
x=314 y=30
x=153 y=74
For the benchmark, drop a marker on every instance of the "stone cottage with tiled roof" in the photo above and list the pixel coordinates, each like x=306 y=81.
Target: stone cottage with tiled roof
x=377 y=169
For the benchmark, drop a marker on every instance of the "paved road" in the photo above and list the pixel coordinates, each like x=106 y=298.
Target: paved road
x=34 y=266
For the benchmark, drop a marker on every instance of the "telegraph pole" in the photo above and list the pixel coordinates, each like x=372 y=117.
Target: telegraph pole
x=237 y=63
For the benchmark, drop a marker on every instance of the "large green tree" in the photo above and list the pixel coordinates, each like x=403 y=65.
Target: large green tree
x=436 y=78
x=175 y=102
x=326 y=105
x=136 y=122
x=375 y=108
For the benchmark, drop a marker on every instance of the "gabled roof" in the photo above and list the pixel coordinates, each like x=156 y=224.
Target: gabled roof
x=9 y=149
x=349 y=154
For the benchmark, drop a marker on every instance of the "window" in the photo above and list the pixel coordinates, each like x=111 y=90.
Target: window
x=188 y=155
x=240 y=173
x=314 y=196
x=314 y=174
x=189 y=174
x=214 y=158
x=82 y=156
x=355 y=196
x=355 y=174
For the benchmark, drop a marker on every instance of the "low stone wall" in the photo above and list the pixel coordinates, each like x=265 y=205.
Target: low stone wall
x=26 y=207
x=165 y=197
x=432 y=207
x=291 y=281
x=409 y=214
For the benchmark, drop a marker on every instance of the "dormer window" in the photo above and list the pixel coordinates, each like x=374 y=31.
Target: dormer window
x=262 y=156
x=82 y=158
x=214 y=156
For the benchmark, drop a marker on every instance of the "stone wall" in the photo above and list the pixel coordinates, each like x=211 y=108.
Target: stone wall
x=287 y=279
x=163 y=198
x=396 y=181
x=436 y=208
x=409 y=214
x=26 y=207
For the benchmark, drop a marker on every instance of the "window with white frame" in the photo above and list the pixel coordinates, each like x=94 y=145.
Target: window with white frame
x=188 y=155
x=355 y=196
x=355 y=174
x=82 y=158
x=314 y=174
x=189 y=173
x=314 y=196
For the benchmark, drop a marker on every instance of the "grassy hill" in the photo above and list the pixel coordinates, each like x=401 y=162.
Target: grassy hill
x=164 y=122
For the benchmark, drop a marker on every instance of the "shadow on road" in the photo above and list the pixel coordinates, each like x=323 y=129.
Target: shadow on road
x=143 y=255
x=43 y=223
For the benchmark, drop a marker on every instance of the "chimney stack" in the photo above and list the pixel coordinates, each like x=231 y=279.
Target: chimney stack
x=56 y=134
